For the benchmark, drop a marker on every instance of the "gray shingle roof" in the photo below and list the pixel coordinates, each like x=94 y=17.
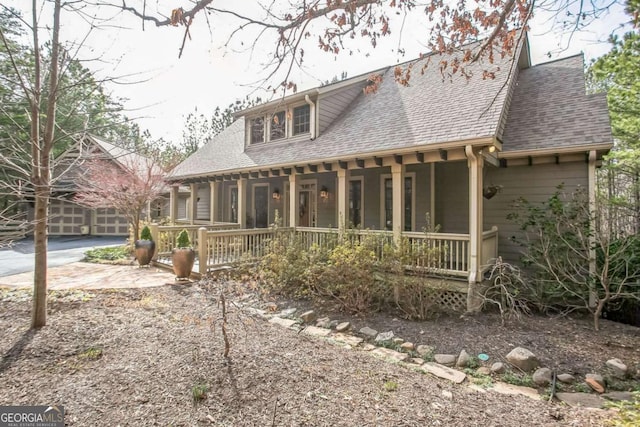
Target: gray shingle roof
x=550 y=109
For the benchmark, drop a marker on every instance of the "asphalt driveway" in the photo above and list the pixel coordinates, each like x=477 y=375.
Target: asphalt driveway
x=62 y=250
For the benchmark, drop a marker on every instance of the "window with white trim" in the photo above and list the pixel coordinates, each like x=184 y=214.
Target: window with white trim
x=256 y=129
x=301 y=119
x=278 y=126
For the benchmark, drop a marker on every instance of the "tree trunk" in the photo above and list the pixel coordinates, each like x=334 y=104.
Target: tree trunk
x=39 y=309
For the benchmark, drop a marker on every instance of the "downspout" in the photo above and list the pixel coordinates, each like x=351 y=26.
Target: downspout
x=592 y=214
x=312 y=117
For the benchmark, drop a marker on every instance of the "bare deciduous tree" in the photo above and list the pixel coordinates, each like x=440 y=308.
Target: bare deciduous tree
x=128 y=183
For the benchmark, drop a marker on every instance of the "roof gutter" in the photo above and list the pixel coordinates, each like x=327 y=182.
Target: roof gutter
x=552 y=151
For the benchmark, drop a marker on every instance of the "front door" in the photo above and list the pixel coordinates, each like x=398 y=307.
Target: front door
x=261 y=206
x=304 y=209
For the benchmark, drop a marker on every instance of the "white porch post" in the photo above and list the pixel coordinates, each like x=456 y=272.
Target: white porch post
x=397 y=185
x=293 y=200
x=242 y=202
x=476 y=163
x=432 y=196
x=173 y=203
x=194 y=203
x=213 y=201
x=342 y=194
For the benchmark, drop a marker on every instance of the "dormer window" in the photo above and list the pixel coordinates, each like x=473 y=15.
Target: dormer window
x=257 y=130
x=278 y=126
x=275 y=126
x=301 y=119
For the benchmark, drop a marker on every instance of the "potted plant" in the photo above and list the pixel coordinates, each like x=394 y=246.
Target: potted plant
x=183 y=256
x=145 y=247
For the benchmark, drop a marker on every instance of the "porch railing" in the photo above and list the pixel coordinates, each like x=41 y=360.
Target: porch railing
x=441 y=253
x=166 y=236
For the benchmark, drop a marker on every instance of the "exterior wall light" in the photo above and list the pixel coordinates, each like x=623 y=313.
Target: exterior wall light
x=324 y=193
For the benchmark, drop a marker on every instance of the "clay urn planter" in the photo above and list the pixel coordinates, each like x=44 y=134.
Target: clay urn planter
x=183 y=257
x=145 y=248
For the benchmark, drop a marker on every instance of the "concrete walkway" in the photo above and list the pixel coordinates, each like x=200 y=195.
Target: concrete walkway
x=82 y=275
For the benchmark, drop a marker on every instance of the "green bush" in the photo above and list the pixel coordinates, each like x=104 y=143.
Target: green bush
x=113 y=253
x=283 y=269
x=145 y=234
x=352 y=276
x=183 y=240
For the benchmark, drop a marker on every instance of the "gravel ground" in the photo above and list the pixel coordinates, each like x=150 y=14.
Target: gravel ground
x=133 y=357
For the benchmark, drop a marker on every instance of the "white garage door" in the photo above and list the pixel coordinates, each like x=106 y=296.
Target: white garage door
x=65 y=218
x=109 y=222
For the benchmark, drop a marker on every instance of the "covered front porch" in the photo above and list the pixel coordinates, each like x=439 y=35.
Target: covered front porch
x=433 y=197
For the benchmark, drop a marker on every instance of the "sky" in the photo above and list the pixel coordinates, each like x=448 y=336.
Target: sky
x=161 y=89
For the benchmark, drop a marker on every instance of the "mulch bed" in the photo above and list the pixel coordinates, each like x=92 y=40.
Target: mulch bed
x=134 y=357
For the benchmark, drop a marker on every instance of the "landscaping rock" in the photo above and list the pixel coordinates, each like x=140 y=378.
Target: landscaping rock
x=347 y=339
x=498 y=368
x=523 y=359
x=393 y=355
x=585 y=400
x=542 y=377
x=417 y=361
x=323 y=322
x=308 y=316
x=424 y=350
x=441 y=371
x=316 y=331
x=398 y=340
x=566 y=378
x=333 y=324
x=463 y=359
x=368 y=332
x=445 y=359
x=619 y=369
x=369 y=347
x=287 y=323
x=516 y=390
x=407 y=346
x=287 y=312
x=596 y=382
x=618 y=396
x=342 y=327
x=384 y=337
x=447 y=394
